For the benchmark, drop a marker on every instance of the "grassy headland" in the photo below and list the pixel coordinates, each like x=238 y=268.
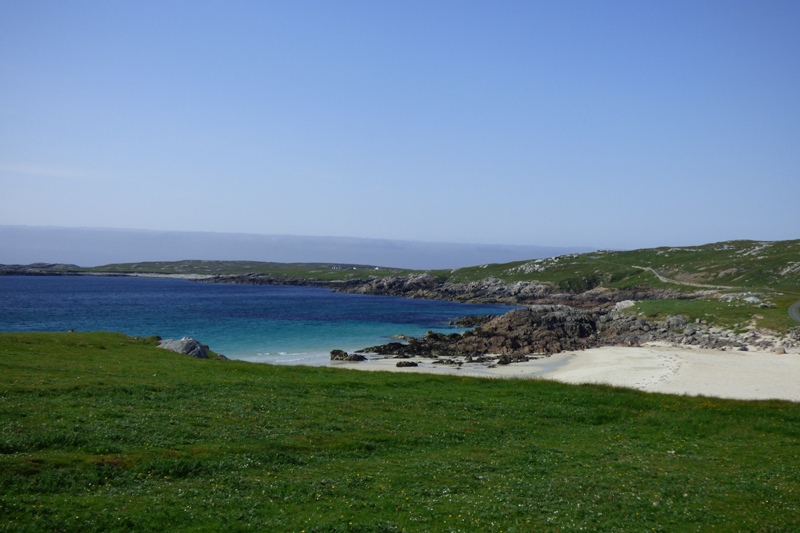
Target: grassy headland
x=102 y=432
x=739 y=265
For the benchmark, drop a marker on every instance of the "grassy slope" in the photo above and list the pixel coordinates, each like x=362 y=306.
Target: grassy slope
x=745 y=265
x=103 y=432
x=771 y=270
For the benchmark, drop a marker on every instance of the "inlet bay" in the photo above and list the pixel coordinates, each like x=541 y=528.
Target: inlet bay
x=283 y=325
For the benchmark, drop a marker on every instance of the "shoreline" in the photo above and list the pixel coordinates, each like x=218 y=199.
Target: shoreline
x=750 y=375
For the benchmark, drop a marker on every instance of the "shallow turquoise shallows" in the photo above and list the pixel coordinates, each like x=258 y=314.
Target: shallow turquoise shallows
x=282 y=325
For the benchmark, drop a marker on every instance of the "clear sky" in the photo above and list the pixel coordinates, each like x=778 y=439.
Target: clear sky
x=609 y=124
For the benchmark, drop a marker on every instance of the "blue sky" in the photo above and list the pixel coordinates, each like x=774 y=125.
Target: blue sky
x=604 y=124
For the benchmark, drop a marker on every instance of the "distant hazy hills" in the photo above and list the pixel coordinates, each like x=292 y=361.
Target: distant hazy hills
x=97 y=246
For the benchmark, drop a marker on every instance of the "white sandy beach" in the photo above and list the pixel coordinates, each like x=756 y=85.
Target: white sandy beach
x=747 y=375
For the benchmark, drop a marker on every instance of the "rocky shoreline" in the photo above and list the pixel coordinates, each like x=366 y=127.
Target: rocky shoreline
x=541 y=330
x=485 y=291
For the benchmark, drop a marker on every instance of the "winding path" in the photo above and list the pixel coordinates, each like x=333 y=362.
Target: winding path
x=665 y=279
x=794 y=311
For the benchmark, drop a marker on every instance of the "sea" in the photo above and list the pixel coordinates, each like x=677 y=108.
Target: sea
x=258 y=323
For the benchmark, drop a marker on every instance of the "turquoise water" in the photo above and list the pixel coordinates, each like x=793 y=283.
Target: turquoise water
x=282 y=325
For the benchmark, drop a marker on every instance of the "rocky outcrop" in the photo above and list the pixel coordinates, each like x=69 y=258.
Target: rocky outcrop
x=189 y=346
x=492 y=290
x=412 y=286
x=488 y=290
x=472 y=320
x=541 y=330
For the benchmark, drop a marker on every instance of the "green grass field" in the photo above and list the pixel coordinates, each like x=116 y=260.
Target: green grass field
x=734 y=315
x=101 y=432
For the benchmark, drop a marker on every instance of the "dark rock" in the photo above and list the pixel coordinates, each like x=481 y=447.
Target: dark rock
x=392 y=348
x=507 y=359
x=341 y=355
x=402 y=364
x=451 y=362
x=471 y=321
x=549 y=329
x=543 y=329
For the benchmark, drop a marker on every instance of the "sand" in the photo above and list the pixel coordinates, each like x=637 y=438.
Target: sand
x=747 y=375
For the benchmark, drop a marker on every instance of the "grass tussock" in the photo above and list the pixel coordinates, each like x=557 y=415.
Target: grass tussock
x=101 y=432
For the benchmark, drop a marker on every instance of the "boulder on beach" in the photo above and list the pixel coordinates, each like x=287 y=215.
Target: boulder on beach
x=341 y=355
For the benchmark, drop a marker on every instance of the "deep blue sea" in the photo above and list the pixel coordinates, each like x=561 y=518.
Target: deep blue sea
x=282 y=325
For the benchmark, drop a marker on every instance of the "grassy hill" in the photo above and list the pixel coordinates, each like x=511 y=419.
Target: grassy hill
x=101 y=432
x=741 y=265
x=734 y=273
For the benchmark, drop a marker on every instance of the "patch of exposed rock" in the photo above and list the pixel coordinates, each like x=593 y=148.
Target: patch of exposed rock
x=189 y=346
x=488 y=290
x=413 y=286
x=539 y=329
x=492 y=290
x=471 y=321
x=548 y=329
